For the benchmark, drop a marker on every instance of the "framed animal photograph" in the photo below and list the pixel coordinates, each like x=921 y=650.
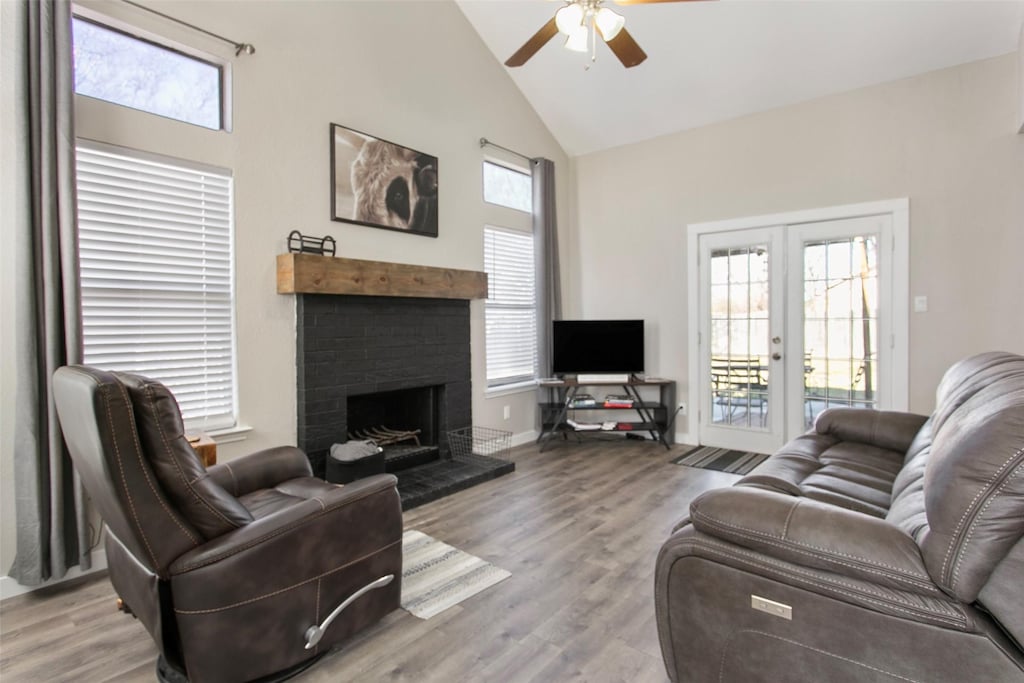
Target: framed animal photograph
x=380 y=184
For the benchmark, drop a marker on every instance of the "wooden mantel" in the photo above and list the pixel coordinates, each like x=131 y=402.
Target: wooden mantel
x=314 y=274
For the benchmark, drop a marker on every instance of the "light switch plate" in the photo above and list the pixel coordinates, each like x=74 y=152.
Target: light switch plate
x=920 y=304
x=776 y=609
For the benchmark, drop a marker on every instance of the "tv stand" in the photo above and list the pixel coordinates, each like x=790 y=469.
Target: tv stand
x=598 y=379
x=654 y=417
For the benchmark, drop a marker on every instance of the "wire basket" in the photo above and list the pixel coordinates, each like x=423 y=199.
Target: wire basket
x=470 y=441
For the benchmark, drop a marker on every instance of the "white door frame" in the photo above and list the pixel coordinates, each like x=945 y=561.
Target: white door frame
x=897 y=209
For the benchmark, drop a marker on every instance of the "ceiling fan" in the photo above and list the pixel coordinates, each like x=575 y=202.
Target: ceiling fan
x=582 y=21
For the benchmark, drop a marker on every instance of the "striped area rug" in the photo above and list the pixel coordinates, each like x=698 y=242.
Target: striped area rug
x=721 y=459
x=436 y=576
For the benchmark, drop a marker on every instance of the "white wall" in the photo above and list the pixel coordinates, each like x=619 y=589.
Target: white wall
x=1020 y=81
x=945 y=139
x=411 y=72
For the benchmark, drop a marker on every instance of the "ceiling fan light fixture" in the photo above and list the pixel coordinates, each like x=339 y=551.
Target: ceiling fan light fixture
x=609 y=23
x=569 y=19
x=578 y=39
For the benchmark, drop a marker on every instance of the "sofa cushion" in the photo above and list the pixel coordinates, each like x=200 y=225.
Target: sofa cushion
x=852 y=475
x=906 y=512
x=203 y=502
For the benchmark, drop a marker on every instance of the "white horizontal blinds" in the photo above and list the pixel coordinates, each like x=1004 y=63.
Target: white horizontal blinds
x=155 y=249
x=511 y=318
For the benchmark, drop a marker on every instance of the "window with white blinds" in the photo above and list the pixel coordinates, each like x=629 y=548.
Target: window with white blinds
x=155 y=241
x=510 y=310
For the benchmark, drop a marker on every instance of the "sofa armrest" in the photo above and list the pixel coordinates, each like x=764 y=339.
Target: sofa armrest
x=261 y=470
x=883 y=428
x=814 y=534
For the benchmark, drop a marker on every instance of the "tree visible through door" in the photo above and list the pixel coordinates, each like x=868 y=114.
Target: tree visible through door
x=840 y=324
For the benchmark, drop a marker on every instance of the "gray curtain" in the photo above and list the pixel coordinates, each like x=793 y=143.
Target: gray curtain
x=545 y=232
x=52 y=528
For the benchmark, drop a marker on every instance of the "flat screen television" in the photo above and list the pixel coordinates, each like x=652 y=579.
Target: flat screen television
x=596 y=346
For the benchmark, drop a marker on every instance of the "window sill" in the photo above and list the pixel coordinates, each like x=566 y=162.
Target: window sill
x=239 y=432
x=509 y=389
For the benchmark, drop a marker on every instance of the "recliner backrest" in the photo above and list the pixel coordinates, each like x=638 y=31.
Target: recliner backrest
x=98 y=420
x=974 y=480
x=210 y=508
x=967 y=377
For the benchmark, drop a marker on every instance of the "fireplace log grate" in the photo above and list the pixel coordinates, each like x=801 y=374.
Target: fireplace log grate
x=386 y=437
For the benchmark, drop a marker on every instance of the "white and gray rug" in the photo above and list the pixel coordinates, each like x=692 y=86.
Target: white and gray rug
x=436 y=576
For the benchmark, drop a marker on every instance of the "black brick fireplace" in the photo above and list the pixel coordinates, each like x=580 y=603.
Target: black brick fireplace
x=367 y=363
x=352 y=347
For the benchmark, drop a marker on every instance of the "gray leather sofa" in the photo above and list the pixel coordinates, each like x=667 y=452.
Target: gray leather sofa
x=880 y=546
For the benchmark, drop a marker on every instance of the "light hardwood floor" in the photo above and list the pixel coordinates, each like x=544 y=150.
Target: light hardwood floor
x=578 y=526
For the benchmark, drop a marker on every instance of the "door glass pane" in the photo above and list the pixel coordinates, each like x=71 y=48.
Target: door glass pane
x=840 y=324
x=759 y=300
x=739 y=336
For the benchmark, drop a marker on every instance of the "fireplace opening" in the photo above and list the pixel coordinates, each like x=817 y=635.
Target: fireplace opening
x=405 y=423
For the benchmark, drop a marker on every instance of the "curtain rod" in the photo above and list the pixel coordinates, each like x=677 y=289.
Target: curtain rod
x=247 y=48
x=484 y=142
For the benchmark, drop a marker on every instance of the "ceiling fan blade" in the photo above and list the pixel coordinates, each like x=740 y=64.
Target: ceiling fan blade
x=647 y=2
x=626 y=49
x=530 y=47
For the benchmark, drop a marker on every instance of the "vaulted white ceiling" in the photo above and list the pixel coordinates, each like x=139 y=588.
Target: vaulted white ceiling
x=714 y=61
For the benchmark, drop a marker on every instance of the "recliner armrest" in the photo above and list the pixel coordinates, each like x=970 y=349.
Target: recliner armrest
x=883 y=428
x=290 y=520
x=357 y=525
x=814 y=534
x=261 y=470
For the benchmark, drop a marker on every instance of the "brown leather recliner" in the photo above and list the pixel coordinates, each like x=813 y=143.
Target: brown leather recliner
x=250 y=569
x=880 y=546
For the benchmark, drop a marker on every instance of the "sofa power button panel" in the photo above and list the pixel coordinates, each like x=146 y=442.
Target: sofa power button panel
x=776 y=609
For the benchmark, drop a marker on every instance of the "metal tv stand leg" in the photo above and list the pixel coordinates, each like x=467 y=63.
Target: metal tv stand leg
x=545 y=436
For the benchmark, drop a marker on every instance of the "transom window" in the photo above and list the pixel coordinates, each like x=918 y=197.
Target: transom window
x=508 y=187
x=155 y=245
x=116 y=67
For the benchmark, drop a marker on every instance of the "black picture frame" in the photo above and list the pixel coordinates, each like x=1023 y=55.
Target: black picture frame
x=381 y=184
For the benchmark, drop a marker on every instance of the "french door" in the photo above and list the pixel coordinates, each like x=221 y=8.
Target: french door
x=742 y=317
x=794 y=318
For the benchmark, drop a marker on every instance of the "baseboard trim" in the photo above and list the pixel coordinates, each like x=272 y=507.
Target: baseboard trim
x=524 y=437
x=10 y=588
